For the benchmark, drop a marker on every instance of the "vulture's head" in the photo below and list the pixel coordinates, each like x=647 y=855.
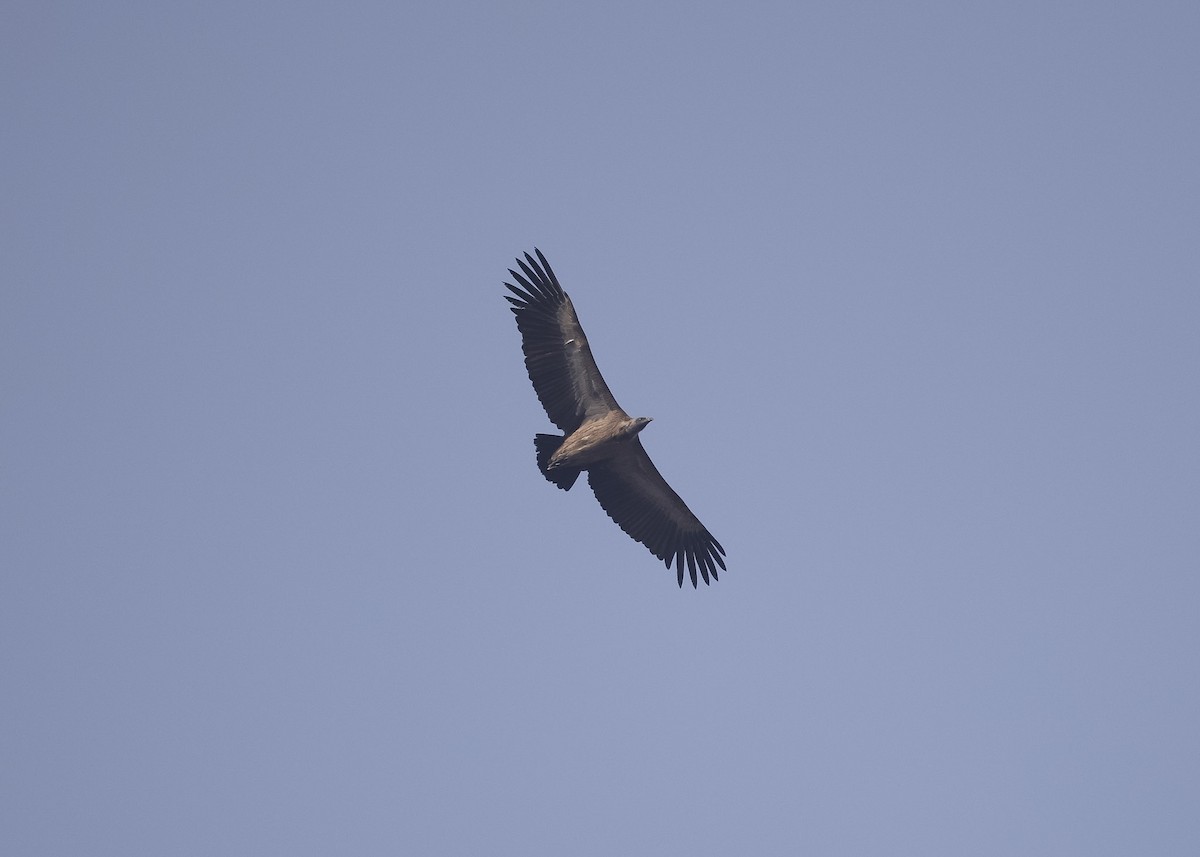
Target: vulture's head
x=637 y=424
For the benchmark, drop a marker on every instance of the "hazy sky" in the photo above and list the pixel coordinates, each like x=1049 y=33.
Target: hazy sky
x=912 y=291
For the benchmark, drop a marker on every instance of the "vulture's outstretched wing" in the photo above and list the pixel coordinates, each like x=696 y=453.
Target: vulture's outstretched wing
x=557 y=355
x=635 y=495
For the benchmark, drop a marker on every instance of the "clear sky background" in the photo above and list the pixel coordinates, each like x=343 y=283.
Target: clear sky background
x=912 y=291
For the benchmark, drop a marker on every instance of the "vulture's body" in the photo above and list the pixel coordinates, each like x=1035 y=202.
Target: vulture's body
x=598 y=436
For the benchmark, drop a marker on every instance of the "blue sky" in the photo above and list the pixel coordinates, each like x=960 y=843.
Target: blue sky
x=911 y=291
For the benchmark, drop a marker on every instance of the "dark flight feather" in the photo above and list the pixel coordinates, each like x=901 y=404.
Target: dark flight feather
x=557 y=355
x=640 y=501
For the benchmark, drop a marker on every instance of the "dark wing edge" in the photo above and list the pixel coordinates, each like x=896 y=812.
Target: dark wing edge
x=557 y=356
x=641 y=503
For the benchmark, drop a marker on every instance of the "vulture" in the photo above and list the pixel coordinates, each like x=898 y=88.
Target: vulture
x=598 y=436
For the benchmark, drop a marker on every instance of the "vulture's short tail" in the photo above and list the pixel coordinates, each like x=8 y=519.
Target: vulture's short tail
x=547 y=445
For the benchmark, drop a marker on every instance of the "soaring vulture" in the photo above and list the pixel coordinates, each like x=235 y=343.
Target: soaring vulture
x=598 y=436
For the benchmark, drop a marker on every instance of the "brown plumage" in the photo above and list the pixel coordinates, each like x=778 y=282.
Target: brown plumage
x=598 y=436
